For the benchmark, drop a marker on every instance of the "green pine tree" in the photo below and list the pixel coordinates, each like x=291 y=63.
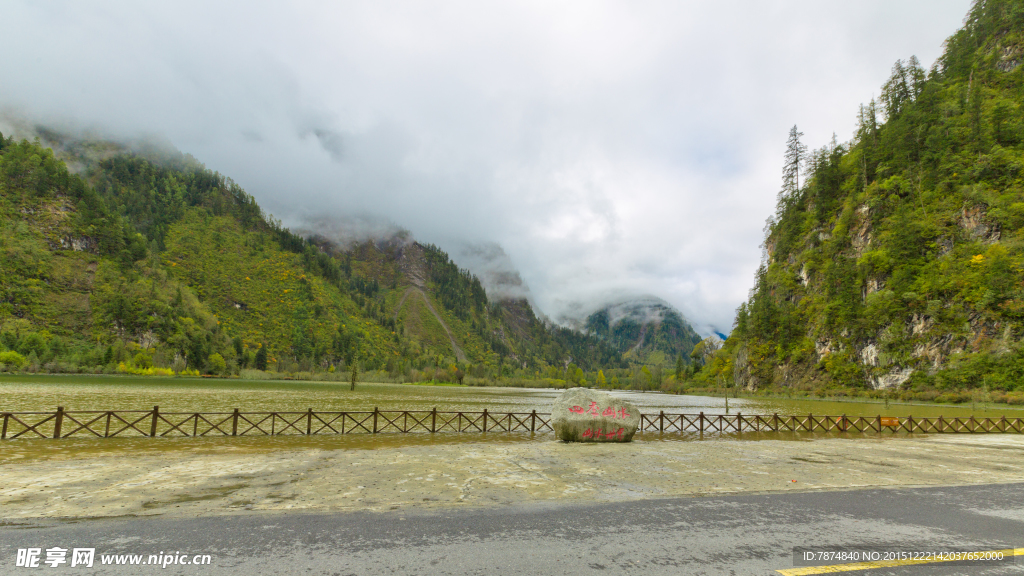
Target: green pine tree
x=261 y=358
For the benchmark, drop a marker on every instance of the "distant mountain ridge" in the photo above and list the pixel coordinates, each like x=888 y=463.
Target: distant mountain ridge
x=644 y=329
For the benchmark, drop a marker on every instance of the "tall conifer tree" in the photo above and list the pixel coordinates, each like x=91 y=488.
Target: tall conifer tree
x=796 y=155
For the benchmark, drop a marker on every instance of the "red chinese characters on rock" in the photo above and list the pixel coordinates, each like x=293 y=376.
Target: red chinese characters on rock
x=594 y=410
x=600 y=433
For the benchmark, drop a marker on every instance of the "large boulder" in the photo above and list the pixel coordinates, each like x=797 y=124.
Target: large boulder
x=584 y=415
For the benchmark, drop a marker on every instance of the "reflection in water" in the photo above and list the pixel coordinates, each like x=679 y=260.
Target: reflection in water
x=23 y=450
x=76 y=447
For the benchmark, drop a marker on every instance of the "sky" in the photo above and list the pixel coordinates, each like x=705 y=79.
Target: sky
x=609 y=148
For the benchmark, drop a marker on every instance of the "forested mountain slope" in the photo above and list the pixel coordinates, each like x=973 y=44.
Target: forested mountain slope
x=143 y=258
x=76 y=278
x=898 y=260
x=645 y=329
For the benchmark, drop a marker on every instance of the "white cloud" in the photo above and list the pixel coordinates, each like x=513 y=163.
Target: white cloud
x=607 y=146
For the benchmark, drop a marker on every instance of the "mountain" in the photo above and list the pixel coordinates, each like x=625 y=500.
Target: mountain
x=498 y=274
x=646 y=329
x=897 y=261
x=137 y=258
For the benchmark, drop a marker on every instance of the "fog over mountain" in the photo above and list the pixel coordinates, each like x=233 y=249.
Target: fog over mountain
x=641 y=308
x=603 y=147
x=497 y=272
x=346 y=230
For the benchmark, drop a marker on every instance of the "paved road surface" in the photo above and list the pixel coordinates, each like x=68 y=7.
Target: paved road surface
x=752 y=534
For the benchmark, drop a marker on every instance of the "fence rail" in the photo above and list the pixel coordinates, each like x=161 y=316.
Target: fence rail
x=155 y=423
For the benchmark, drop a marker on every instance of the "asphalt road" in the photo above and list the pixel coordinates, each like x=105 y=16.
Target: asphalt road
x=751 y=534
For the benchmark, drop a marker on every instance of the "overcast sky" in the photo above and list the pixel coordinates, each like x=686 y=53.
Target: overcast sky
x=609 y=147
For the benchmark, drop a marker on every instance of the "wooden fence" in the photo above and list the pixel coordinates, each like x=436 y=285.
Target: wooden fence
x=154 y=423
x=738 y=423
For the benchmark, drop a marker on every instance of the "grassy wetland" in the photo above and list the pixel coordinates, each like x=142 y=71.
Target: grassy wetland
x=27 y=393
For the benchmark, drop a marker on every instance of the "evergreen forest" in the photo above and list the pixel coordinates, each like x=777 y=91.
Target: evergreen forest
x=143 y=261
x=894 y=264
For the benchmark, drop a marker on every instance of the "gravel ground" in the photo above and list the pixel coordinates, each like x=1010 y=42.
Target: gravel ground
x=224 y=481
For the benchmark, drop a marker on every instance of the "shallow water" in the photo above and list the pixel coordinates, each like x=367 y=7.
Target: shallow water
x=179 y=447
x=209 y=395
x=44 y=393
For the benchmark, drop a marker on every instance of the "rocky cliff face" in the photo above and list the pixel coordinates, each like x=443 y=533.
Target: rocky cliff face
x=900 y=262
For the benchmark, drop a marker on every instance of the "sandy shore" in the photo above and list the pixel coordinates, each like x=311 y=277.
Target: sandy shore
x=216 y=482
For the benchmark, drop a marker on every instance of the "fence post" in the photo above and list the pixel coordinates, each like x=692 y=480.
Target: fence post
x=1003 y=422
x=910 y=428
x=106 y=431
x=739 y=422
x=810 y=422
x=60 y=419
x=152 y=426
x=533 y=421
x=844 y=423
x=661 y=421
x=234 y=423
x=375 y=410
x=776 y=418
x=3 y=434
x=485 y=419
x=309 y=422
x=701 y=427
x=433 y=420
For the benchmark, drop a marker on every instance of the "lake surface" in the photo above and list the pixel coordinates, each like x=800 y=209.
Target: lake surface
x=20 y=393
